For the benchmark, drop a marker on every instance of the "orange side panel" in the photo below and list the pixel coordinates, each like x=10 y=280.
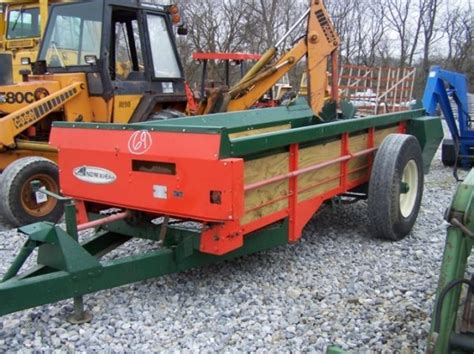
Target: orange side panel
x=158 y=172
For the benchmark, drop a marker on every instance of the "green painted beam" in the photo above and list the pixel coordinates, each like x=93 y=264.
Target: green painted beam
x=98 y=246
x=16 y=293
x=255 y=144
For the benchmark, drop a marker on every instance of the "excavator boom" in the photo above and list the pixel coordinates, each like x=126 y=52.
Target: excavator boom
x=319 y=43
x=15 y=123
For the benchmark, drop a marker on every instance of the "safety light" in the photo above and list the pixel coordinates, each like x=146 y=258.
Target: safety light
x=25 y=61
x=90 y=59
x=176 y=19
x=173 y=10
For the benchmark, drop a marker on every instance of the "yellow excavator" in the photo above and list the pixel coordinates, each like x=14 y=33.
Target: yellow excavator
x=115 y=61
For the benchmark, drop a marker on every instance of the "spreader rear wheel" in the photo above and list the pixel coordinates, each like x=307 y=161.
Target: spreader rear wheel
x=18 y=202
x=395 y=187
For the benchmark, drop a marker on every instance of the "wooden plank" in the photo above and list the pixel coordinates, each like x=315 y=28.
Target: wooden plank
x=358 y=143
x=316 y=178
x=380 y=134
x=265 y=200
x=315 y=155
x=259 y=131
x=319 y=153
x=260 y=170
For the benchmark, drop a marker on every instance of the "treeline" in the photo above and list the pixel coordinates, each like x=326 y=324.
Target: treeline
x=402 y=33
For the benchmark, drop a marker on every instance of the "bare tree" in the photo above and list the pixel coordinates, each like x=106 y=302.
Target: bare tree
x=372 y=32
x=268 y=20
x=214 y=26
x=344 y=16
x=404 y=18
x=459 y=32
x=429 y=24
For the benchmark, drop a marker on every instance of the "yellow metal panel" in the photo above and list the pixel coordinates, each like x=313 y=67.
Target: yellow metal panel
x=23 y=53
x=124 y=107
x=101 y=109
x=17 y=122
x=322 y=41
x=2 y=31
x=78 y=109
x=43 y=4
x=22 y=94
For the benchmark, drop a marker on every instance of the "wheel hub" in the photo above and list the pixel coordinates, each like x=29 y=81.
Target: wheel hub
x=35 y=203
x=409 y=189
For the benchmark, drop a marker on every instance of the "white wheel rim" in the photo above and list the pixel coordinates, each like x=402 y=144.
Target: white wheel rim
x=410 y=178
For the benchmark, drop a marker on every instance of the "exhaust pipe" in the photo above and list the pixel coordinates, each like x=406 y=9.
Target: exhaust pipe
x=6 y=69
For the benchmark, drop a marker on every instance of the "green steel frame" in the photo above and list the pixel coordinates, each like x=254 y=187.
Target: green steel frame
x=68 y=269
x=446 y=335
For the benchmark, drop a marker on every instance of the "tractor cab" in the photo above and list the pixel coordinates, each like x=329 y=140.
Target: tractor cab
x=112 y=61
x=22 y=23
x=20 y=31
x=127 y=51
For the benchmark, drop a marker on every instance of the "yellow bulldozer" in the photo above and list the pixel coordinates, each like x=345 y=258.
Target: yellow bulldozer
x=116 y=61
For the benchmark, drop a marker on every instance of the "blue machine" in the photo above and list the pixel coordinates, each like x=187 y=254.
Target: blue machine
x=441 y=85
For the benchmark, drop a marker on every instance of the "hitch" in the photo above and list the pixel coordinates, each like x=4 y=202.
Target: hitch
x=69 y=269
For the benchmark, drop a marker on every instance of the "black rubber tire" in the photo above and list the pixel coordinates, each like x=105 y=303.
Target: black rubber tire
x=386 y=220
x=12 y=183
x=448 y=153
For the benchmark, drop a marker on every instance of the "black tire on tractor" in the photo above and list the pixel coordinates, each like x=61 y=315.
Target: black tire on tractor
x=19 y=204
x=448 y=153
x=395 y=187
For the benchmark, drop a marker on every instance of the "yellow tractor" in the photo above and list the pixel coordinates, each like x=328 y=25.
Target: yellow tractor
x=22 y=24
x=98 y=62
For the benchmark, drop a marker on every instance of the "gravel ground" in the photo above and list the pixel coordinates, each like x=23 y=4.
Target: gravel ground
x=338 y=285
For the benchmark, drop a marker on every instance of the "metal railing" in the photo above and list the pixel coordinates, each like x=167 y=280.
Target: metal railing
x=377 y=90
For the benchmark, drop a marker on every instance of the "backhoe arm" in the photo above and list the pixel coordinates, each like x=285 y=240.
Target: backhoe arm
x=319 y=43
x=323 y=41
x=246 y=95
x=15 y=123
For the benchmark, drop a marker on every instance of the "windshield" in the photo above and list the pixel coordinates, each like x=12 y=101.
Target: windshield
x=23 y=23
x=164 y=59
x=74 y=31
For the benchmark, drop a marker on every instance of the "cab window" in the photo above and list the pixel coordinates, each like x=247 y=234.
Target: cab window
x=165 y=62
x=23 y=23
x=74 y=32
x=127 y=49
